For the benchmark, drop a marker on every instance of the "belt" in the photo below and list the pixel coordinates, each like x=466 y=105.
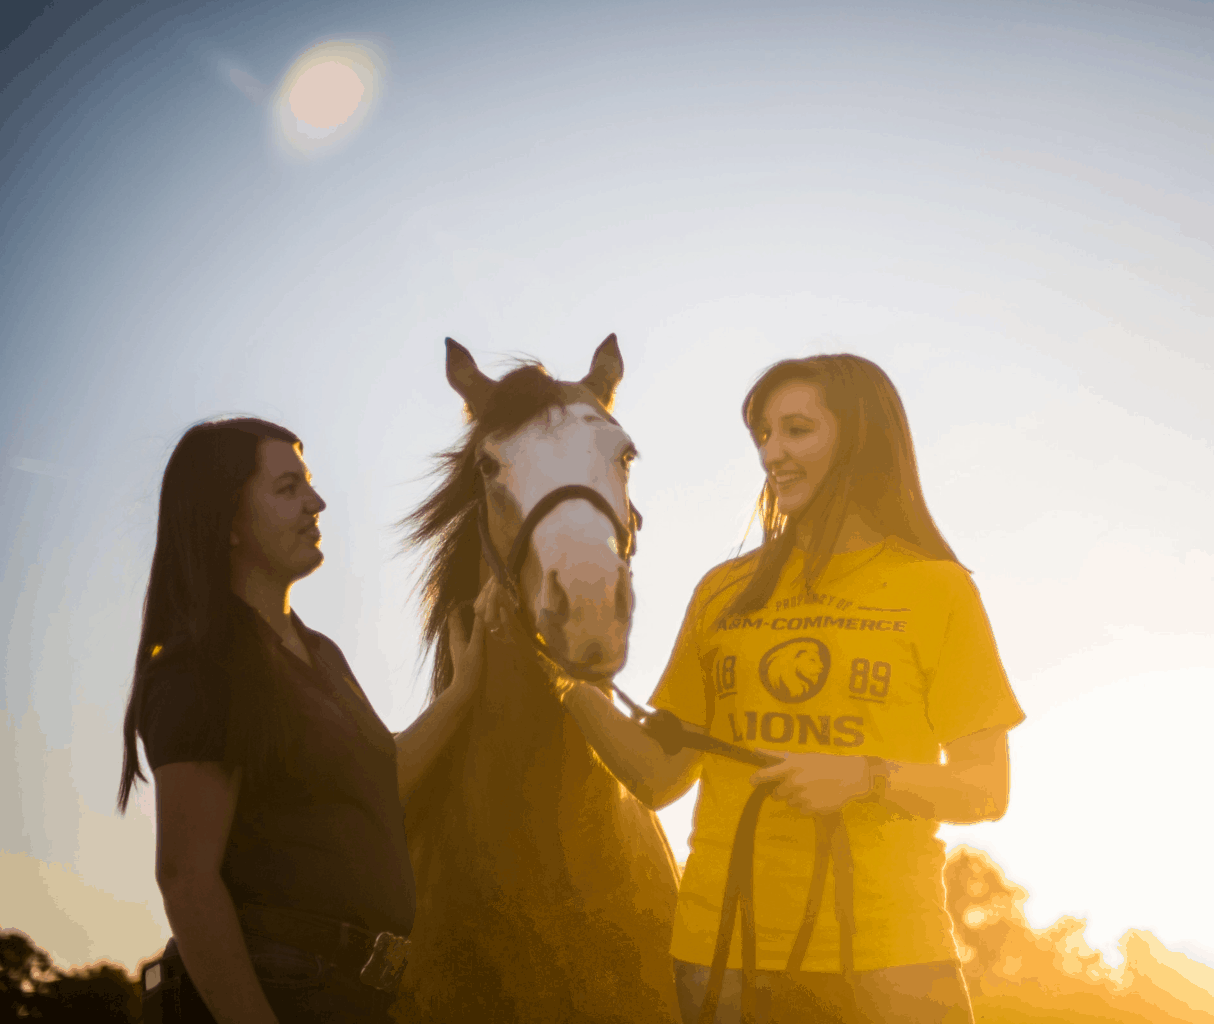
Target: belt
x=377 y=960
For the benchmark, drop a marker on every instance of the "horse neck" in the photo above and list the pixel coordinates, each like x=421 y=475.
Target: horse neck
x=519 y=729
x=519 y=698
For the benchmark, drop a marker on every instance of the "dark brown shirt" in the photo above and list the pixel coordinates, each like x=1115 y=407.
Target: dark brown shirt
x=326 y=836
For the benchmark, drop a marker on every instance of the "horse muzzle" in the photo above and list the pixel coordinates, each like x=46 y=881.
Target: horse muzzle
x=584 y=618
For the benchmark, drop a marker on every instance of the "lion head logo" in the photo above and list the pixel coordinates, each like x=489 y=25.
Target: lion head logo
x=795 y=670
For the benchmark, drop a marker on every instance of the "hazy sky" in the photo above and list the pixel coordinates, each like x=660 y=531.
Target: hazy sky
x=1007 y=205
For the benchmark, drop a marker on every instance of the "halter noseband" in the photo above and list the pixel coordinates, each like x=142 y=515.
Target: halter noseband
x=507 y=573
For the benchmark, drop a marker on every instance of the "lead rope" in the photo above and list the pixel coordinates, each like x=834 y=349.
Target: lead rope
x=831 y=843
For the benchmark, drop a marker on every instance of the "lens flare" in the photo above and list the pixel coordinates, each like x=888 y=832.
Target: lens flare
x=327 y=94
x=325 y=97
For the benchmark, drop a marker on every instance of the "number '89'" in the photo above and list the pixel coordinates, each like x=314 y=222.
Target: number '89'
x=871 y=678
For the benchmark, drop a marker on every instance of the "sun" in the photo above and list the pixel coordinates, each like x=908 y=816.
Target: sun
x=326 y=94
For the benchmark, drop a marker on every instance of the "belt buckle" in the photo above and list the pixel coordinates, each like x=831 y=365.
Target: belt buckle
x=386 y=963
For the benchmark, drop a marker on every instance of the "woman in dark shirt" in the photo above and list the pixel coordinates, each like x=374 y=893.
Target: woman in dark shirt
x=280 y=848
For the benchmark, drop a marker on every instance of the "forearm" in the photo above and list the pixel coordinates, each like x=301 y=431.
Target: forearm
x=418 y=747
x=630 y=754
x=960 y=794
x=212 y=947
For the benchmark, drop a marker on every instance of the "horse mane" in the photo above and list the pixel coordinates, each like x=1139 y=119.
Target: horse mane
x=445 y=524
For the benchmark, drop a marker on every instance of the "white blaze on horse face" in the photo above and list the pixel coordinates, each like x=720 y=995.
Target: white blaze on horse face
x=576 y=582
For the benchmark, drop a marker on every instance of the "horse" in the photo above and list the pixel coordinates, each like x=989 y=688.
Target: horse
x=545 y=889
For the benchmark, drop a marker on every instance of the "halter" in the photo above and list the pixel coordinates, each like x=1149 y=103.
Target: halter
x=831 y=839
x=507 y=573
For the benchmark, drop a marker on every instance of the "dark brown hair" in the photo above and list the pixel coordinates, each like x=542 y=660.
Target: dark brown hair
x=189 y=608
x=873 y=469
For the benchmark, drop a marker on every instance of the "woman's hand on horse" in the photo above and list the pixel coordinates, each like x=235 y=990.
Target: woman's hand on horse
x=492 y=607
x=816 y=783
x=468 y=647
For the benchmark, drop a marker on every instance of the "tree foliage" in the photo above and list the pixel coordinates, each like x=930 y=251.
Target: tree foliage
x=1018 y=973
x=33 y=989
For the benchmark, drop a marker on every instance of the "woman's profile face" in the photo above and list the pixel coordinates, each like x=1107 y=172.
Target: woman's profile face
x=796 y=436
x=275 y=529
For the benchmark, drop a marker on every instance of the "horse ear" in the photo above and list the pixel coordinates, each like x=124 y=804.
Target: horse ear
x=465 y=376
x=606 y=372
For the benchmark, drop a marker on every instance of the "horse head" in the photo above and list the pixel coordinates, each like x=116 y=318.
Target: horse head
x=556 y=523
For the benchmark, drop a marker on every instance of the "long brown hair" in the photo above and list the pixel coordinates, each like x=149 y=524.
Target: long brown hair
x=873 y=469
x=189 y=607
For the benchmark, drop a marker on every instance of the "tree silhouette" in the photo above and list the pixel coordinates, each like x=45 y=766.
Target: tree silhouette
x=32 y=988
x=1017 y=973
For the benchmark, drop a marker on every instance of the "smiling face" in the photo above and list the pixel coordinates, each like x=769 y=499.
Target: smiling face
x=796 y=436
x=275 y=530
x=575 y=581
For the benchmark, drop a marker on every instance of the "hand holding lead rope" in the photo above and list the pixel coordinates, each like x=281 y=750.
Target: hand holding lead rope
x=831 y=845
x=815 y=783
x=666 y=728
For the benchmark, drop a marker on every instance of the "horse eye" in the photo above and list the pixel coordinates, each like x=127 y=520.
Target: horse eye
x=488 y=466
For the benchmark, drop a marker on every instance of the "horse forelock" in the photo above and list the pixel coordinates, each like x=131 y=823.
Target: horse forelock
x=580 y=394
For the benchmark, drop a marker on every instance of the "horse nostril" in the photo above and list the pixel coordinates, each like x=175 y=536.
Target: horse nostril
x=557 y=604
x=593 y=654
x=622 y=604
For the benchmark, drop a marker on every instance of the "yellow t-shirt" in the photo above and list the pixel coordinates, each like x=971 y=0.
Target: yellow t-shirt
x=891 y=655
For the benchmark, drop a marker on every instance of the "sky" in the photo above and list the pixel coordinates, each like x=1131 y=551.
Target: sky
x=1007 y=205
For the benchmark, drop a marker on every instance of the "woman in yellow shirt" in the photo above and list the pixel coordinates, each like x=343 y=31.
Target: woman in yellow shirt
x=854 y=646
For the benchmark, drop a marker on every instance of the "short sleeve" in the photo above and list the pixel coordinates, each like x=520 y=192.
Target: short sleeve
x=681 y=689
x=969 y=690
x=185 y=714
